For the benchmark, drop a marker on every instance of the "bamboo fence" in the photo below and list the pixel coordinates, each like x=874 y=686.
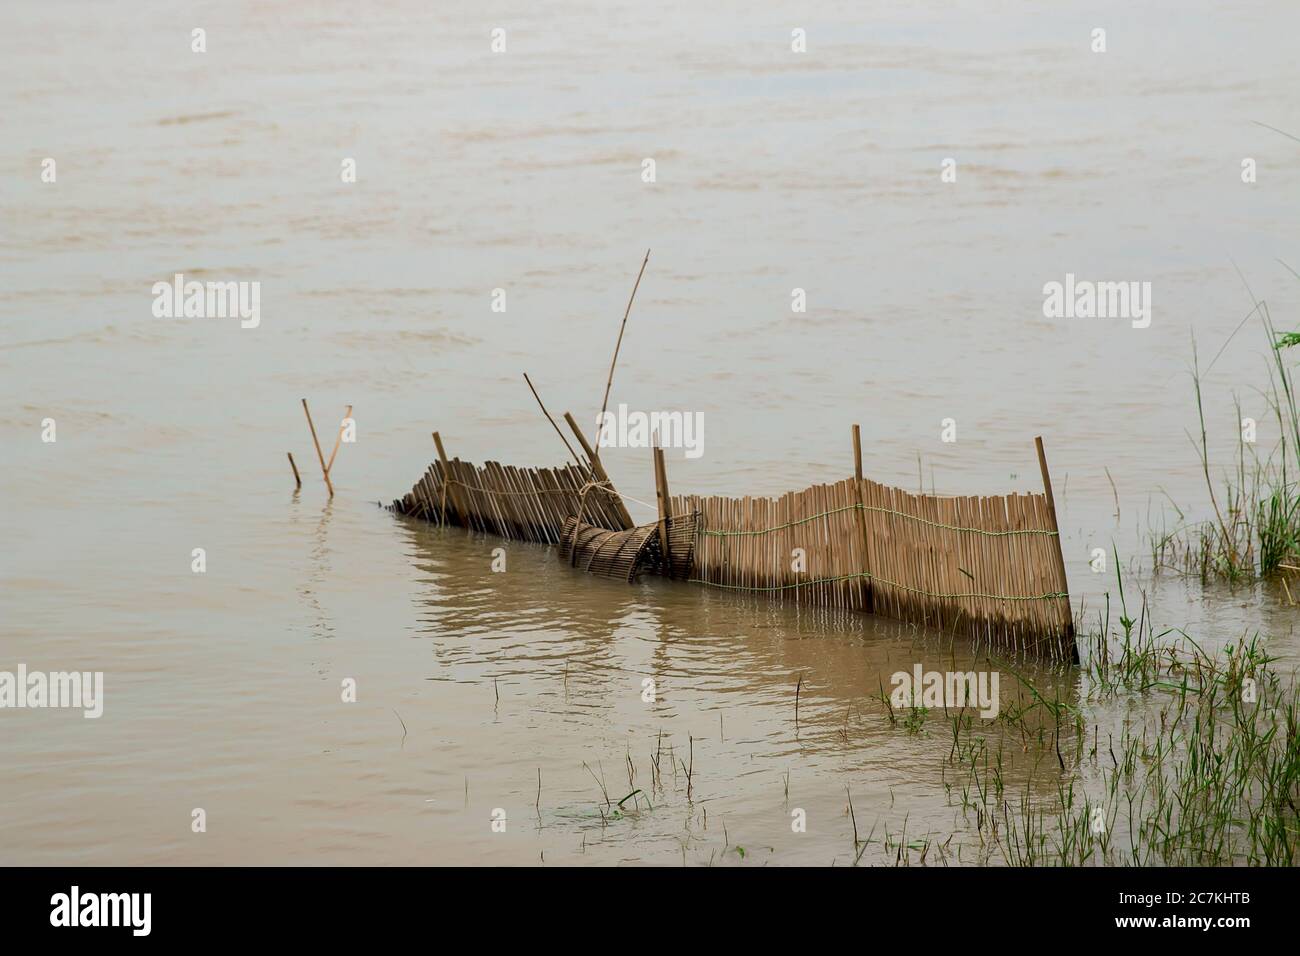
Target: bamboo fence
x=986 y=566
x=529 y=504
x=990 y=567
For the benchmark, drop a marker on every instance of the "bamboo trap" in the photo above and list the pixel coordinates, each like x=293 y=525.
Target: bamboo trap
x=623 y=555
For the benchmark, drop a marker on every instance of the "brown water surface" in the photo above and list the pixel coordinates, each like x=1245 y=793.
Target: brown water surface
x=521 y=171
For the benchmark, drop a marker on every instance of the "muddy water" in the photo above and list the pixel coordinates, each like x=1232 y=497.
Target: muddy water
x=521 y=171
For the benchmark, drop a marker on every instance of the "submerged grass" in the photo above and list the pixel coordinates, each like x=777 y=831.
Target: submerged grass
x=1158 y=749
x=1256 y=528
x=1198 y=764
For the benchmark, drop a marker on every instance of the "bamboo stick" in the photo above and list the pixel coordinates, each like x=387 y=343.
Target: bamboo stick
x=297 y=479
x=1068 y=619
x=448 y=482
x=323 y=467
x=604 y=405
x=507 y=504
x=952 y=570
x=861 y=516
x=929 y=578
x=545 y=501
x=502 y=504
x=665 y=509
x=542 y=502
x=339 y=440
x=552 y=420
x=599 y=470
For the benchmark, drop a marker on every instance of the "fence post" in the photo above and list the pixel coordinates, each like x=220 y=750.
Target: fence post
x=867 y=589
x=449 y=484
x=665 y=509
x=1060 y=555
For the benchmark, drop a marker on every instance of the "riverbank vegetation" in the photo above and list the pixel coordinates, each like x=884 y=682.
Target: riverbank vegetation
x=1164 y=752
x=1255 y=531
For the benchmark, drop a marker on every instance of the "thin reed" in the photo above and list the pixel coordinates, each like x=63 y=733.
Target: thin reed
x=1255 y=531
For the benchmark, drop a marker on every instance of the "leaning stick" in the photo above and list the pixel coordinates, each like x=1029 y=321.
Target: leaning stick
x=599 y=470
x=551 y=420
x=617 y=345
x=338 y=441
x=297 y=479
x=323 y=468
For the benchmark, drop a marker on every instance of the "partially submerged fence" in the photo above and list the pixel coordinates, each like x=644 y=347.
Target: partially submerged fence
x=985 y=566
x=990 y=567
x=531 y=504
x=805 y=546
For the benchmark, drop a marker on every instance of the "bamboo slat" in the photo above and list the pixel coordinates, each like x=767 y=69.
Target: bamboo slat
x=982 y=566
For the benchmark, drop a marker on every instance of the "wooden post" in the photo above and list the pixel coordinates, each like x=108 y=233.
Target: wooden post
x=665 y=509
x=449 y=484
x=867 y=589
x=323 y=468
x=1060 y=555
x=297 y=479
x=599 y=470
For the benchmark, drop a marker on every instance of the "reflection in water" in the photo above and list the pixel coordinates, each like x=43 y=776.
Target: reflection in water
x=573 y=651
x=320 y=571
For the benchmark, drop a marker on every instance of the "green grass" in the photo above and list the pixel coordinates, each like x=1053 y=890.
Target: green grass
x=1203 y=768
x=1255 y=531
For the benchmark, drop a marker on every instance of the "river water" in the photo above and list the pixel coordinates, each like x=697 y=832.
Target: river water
x=522 y=171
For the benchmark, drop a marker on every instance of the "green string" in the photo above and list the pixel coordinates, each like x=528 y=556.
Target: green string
x=886 y=511
x=732 y=534
x=863 y=574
